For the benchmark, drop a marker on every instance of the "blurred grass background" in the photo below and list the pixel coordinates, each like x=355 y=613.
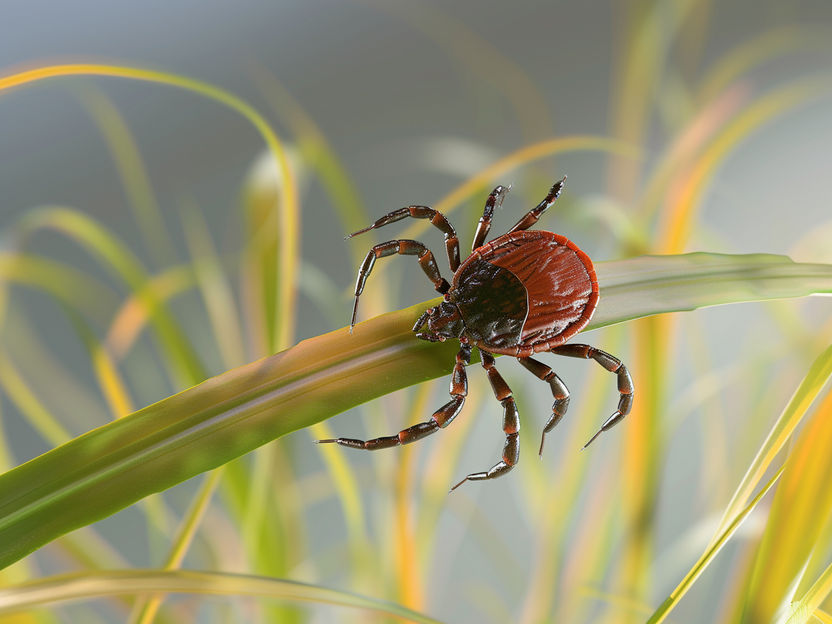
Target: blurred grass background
x=148 y=244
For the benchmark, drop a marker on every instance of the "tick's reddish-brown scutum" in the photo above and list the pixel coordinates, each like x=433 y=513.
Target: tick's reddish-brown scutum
x=560 y=284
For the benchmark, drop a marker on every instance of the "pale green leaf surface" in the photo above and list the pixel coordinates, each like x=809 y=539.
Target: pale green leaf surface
x=233 y=413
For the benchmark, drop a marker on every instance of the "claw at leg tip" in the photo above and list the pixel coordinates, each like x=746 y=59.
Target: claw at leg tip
x=592 y=439
x=457 y=485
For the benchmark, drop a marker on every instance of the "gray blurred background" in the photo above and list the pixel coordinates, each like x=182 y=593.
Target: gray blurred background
x=414 y=98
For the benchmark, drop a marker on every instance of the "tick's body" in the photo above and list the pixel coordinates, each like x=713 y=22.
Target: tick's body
x=524 y=292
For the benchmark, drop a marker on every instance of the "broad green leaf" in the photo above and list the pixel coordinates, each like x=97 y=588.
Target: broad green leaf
x=233 y=413
x=88 y=585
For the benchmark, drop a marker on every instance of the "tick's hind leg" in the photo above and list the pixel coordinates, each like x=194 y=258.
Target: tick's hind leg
x=441 y=418
x=405 y=248
x=531 y=217
x=612 y=364
x=559 y=391
x=511 y=425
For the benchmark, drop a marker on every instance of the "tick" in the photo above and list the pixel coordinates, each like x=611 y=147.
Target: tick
x=525 y=292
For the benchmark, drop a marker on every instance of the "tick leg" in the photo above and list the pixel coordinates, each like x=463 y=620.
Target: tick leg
x=405 y=248
x=440 y=419
x=423 y=212
x=511 y=425
x=533 y=215
x=559 y=391
x=612 y=364
x=494 y=201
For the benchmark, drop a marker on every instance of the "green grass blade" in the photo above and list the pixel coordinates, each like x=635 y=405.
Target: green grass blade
x=289 y=211
x=133 y=173
x=87 y=585
x=804 y=396
x=664 y=609
x=229 y=415
x=647 y=285
x=115 y=257
x=799 y=514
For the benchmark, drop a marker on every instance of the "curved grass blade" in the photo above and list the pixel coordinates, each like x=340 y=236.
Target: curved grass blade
x=229 y=415
x=800 y=611
x=677 y=223
x=27 y=401
x=781 y=431
x=134 y=176
x=289 y=207
x=70 y=286
x=664 y=609
x=751 y=53
x=215 y=288
x=116 y=258
x=799 y=512
x=316 y=153
x=793 y=413
x=87 y=585
x=144 y=611
x=131 y=318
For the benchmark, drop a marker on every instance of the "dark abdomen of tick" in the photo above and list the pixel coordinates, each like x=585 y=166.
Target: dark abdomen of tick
x=525 y=292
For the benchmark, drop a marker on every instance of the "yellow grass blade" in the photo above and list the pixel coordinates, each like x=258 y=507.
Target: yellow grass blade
x=561 y=145
x=116 y=258
x=801 y=508
x=19 y=391
x=677 y=221
x=106 y=372
x=145 y=611
x=713 y=550
x=800 y=611
x=795 y=410
x=781 y=431
x=755 y=51
x=821 y=616
x=215 y=288
x=317 y=153
x=289 y=213
x=133 y=316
